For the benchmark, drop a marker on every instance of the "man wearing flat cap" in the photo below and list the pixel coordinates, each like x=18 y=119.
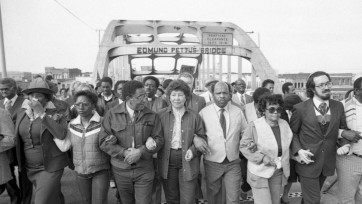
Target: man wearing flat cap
x=207 y=95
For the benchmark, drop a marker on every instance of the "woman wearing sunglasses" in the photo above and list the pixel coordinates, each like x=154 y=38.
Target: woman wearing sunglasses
x=268 y=166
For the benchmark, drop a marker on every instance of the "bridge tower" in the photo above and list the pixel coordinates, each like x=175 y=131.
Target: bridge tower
x=166 y=47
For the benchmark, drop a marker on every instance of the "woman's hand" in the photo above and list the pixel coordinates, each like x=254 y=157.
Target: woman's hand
x=151 y=144
x=111 y=139
x=189 y=155
x=252 y=147
x=268 y=161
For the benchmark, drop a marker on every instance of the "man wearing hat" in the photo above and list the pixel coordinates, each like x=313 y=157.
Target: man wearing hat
x=39 y=124
x=207 y=95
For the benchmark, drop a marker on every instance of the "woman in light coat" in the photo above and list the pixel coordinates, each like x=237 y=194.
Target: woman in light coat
x=268 y=166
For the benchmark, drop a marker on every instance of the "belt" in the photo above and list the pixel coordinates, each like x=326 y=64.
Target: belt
x=357 y=155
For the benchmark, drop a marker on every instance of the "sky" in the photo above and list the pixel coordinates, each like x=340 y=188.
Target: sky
x=295 y=36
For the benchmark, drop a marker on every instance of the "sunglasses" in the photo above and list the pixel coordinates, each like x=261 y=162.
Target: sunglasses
x=272 y=110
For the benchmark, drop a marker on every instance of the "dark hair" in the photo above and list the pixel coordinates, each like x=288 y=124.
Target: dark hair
x=310 y=86
x=166 y=83
x=259 y=92
x=49 y=77
x=157 y=82
x=118 y=83
x=213 y=87
x=90 y=95
x=272 y=99
x=107 y=79
x=178 y=85
x=357 y=83
x=285 y=87
x=130 y=87
x=10 y=81
x=266 y=82
x=290 y=101
x=63 y=89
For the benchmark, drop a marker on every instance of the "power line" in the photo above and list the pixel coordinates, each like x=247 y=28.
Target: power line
x=74 y=15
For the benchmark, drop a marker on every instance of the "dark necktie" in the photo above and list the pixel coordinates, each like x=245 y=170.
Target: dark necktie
x=323 y=108
x=223 y=121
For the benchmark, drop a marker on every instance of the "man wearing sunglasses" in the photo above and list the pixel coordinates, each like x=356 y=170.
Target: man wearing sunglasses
x=125 y=130
x=316 y=124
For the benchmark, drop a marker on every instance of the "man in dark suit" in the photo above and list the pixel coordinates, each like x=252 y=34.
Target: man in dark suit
x=316 y=125
x=12 y=102
x=195 y=102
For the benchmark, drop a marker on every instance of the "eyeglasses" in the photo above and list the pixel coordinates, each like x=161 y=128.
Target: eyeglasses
x=324 y=85
x=82 y=104
x=273 y=109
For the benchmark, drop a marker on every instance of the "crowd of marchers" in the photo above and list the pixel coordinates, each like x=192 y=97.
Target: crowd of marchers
x=144 y=137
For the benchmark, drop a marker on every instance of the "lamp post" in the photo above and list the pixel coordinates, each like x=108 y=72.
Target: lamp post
x=2 y=48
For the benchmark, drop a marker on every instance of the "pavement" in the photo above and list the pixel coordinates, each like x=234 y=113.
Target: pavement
x=71 y=192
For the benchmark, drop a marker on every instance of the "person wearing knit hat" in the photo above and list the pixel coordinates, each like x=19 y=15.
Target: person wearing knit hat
x=39 y=127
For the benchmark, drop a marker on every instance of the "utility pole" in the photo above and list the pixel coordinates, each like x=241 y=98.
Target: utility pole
x=2 y=48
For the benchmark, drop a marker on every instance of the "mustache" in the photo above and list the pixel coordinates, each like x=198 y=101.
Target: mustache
x=326 y=91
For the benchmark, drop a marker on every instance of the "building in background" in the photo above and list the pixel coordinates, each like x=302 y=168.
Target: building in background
x=342 y=82
x=63 y=73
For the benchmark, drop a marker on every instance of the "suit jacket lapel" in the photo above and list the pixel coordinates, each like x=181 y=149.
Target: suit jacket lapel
x=313 y=118
x=333 y=117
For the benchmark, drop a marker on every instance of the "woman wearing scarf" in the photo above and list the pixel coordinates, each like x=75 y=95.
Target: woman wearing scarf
x=38 y=124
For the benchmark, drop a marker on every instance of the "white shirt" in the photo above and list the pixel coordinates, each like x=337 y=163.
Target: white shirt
x=226 y=114
x=176 y=133
x=131 y=113
x=241 y=97
x=107 y=98
x=12 y=100
x=357 y=147
x=120 y=101
x=317 y=101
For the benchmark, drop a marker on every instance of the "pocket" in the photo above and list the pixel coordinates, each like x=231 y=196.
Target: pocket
x=147 y=127
x=118 y=127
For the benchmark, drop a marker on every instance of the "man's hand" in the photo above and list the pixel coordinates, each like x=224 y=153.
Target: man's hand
x=305 y=156
x=297 y=158
x=189 y=155
x=133 y=156
x=268 y=161
x=111 y=139
x=201 y=145
x=252 y=147
x=352 y=135
x=150 y=144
